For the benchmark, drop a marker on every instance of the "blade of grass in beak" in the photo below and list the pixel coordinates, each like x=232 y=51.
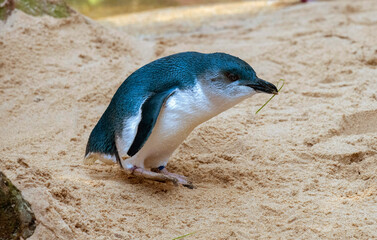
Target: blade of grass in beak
x=180 y=237
x=281 y=80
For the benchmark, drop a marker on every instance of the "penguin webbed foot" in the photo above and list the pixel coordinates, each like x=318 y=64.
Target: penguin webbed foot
x=158 y=177
x=181 y=179
x=161 y=176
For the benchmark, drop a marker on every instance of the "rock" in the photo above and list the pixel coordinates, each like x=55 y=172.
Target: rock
x=16 y=217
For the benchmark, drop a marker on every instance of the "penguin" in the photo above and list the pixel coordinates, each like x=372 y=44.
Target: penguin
x=158 y=105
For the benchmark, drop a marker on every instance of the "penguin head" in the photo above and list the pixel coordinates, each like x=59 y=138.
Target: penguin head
x=232 y=78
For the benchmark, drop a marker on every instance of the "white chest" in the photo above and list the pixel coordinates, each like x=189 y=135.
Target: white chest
x=181 y=113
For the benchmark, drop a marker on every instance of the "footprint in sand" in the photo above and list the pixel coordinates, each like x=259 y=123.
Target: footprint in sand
x=322 y=94
x=359 y=123
x=352 y=141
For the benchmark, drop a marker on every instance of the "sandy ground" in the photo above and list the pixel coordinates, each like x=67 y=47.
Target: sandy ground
x=303 y=168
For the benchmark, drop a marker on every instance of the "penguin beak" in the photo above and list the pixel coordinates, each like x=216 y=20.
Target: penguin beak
x=261 y=85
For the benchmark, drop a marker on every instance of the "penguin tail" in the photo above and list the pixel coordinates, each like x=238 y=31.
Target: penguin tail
x=91 y=158
x=101 y=146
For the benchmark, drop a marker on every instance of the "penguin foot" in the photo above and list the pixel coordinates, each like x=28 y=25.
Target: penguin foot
x=155 y=176
x=180 y=179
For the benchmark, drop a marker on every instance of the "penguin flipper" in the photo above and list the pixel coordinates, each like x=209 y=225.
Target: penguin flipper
x=149 y=113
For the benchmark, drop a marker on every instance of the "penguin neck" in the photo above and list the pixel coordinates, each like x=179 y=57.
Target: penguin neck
x=198 y=105
x=215 y=103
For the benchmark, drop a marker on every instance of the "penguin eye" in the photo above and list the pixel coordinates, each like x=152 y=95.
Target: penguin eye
x=232 y=77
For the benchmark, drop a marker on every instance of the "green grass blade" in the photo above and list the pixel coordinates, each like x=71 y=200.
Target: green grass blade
x=183 y=236
x=281 y=80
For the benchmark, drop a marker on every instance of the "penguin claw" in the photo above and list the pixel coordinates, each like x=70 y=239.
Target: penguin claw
x=189 y=185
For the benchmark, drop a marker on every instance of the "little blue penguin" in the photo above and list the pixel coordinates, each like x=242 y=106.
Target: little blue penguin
x=158 y=105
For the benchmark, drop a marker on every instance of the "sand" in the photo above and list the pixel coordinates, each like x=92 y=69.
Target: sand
x=303 y=168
